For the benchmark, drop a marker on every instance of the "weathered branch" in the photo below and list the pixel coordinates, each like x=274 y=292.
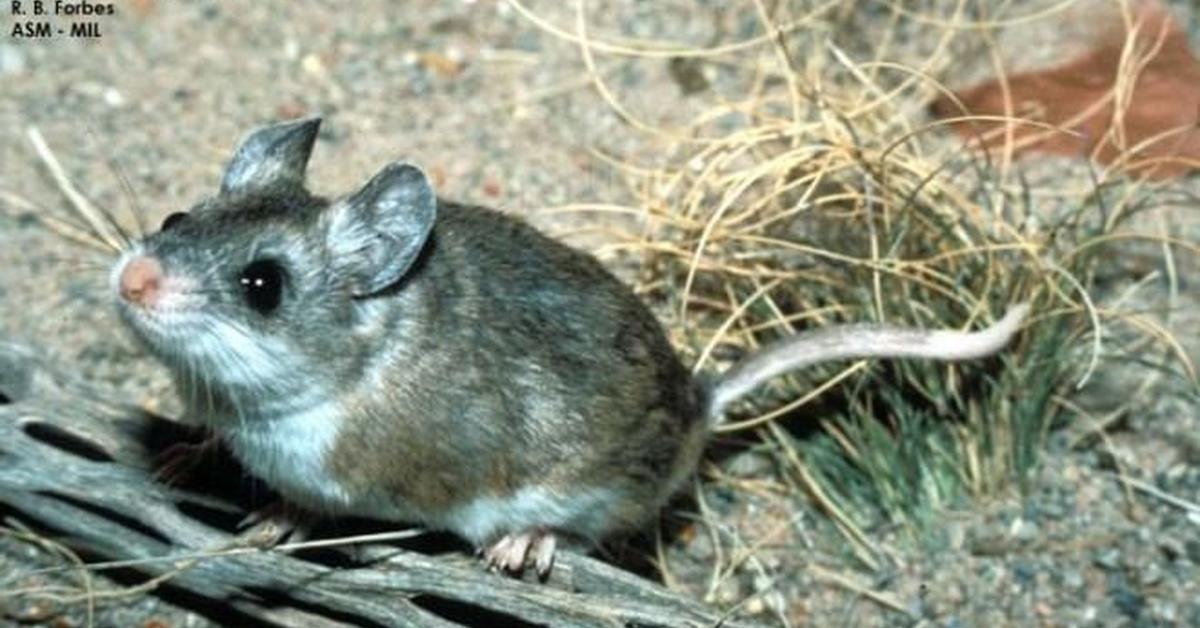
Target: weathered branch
x=78 y=462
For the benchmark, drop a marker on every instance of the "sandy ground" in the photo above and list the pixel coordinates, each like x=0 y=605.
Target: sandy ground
x=501 y=114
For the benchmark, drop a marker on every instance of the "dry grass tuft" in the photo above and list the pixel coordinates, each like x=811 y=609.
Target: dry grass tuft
x=823 y=193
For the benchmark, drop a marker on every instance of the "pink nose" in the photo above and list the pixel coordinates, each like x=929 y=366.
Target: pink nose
x=141 y=281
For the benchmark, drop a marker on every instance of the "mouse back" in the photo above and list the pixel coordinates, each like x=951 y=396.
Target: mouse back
x=525 y=366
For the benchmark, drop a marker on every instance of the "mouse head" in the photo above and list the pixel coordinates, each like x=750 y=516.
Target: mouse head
x=257 y=284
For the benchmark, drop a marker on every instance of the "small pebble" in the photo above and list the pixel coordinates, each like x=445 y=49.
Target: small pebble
x=749 y=464
x=313 y=66
x=291 y=50
x=12 y=60
x=689 y=74
x=1192 y=548
x=730 y=592
x=1073 y=580
x=1164 y=611
x=1109 y=559
x=1151 y=575
x=1024 y=573
x=1171 y=548
x=113 y=97
x=1127 y=601
x=1024 y=530
x=956 y=535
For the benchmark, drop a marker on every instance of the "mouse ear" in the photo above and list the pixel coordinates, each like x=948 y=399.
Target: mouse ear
x=375 y=235
x=271 y=155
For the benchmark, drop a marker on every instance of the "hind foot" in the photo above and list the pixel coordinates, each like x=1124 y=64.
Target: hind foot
x=513 y=552
x=273 y=524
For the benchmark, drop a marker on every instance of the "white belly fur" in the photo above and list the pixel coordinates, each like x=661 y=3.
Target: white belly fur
x=483 y=519
x=289 y=453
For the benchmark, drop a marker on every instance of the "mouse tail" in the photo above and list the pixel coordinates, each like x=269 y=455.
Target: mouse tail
x=856 y=342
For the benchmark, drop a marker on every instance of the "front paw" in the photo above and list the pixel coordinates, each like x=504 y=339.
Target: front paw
x=273 y=524
x=175 y=464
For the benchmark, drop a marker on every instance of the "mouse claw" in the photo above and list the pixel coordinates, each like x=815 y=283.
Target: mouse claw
x=271 y=525
x=518 y=551
x=512 y=552
x=543 y=553
x=496 y=554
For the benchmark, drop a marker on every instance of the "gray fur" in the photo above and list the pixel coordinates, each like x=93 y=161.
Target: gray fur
x=375 y=235
x=271 y=156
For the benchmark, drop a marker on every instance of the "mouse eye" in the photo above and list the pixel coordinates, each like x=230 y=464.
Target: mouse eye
x=172 y=220
x=262 y=285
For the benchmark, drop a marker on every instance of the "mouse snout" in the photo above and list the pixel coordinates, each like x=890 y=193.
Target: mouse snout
x=141 y=281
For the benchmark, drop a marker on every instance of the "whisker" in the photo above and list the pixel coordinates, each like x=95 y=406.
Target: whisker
x=19 y=201
x=100 y=275
x=234 y=362
x=210 y=274
x=136 y=211
x=204 y=292
x=60 y=226
x=206 y=385
x=76 y=262
x=70 y=232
